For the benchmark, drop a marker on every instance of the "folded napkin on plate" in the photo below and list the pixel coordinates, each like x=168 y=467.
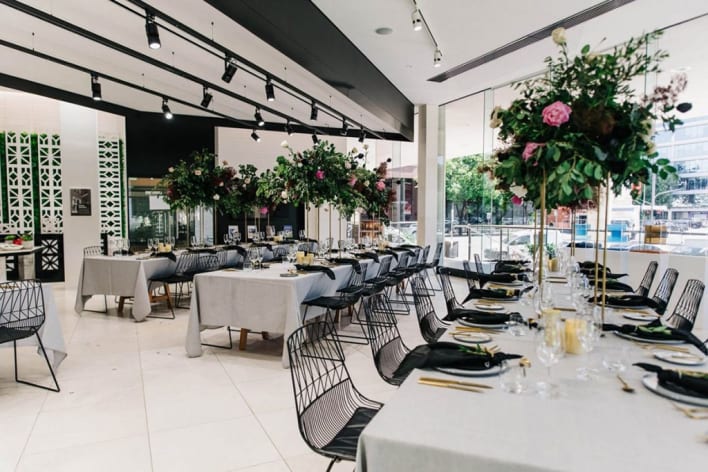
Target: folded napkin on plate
x=124 y=252
x=505 y=268
x=169 y=255
x=500 y=278
x=497 y=294
x=367 y=255
x=241 y=250
x=344 y=260
x=410 y=246
x=202 y=250
x=316 y=268
x=482 y=317
x=446 y=354
x=655 y=331
x=612 y=284
x=629 y=300
x=691 y=383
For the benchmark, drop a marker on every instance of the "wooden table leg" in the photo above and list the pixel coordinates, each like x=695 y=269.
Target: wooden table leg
x=265 y=335
x=243 y=339
x=121 y=302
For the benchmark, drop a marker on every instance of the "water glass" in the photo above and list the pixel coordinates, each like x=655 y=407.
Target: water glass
x=516 y=324
x=513 y=378
x=549 y=351
x=151 y=244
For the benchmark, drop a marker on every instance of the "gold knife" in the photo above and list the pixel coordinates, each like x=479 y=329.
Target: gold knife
x=456 y=382
x=453 y=386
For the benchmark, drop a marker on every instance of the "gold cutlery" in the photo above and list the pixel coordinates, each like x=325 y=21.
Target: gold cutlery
x=563 y=308
x=456 y=382
x=448 y=385
x=625 y=385
x=665 y=347
x=693 y=413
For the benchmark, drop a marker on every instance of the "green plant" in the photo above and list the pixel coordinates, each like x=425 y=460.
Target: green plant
x=581 y=124
x=27 y=236
x=551 y=250
x=10 y=237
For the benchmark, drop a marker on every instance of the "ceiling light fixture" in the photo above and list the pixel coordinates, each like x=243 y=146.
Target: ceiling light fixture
x=418 y=23
x=288 y=128
x=95 y=88
x=255 y=136
x=259 y=118
x=315 y=139
x=417 y=20
x=437 y=58
x=206 y=97
x=166 y=109
x=153 y=34
x=270 y=90
x=345 y=127
x=313 y=112
x=362 y=135
x=229 y=69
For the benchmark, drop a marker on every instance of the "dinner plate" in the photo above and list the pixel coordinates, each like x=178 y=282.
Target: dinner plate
x=496 y=370
x=288 y=274
x=646 y=340
x=501 y=300
x=472 y=338
x=481 y=325
x=639 y=316
x=483 y=306
x=680 y=358
x=515 y=283
x=633 y=307
x=651 y=382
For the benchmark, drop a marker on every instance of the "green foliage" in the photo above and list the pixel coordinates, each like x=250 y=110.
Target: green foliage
x=466 y=186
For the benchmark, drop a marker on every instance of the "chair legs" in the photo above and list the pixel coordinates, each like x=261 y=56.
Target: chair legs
x=332 y=462
x=105 y=309
x=46 y=358
x=231 y=342
x=167 y=297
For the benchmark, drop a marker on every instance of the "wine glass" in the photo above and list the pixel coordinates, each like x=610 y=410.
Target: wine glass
x=237 y=237
x=302 y=235
x=150 y=244
x=253 y=254
x=587 y=333
x=194 y=241
x=549 y=350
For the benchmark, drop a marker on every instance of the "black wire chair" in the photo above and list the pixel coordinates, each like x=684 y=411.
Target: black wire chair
x=660 y=300
x=187 y=266
x=647 y=280
x=331 y=412
x=431 y=327
x=21 y=316
x=387 y=347
x=686 y=310
x=478 y=264
x=96 y=251
x=432 y=265
x=454 y=308
x=470 y=275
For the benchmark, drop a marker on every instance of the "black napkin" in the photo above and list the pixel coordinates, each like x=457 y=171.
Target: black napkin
x=266 y=245
x=506 y=268
x=241 y=250
x=169 y=255
x=590 y=273
x=613 y=285
x=446 y=354
x=123 y=252
x=495 y=294
x=202 y=250
x=410 y=246
x=367 y=255
x=630 y=300
x=316 y=268
x=344 y=260
x=650 y=332
x=501 y=278
x=685 y=383
x=480 y=317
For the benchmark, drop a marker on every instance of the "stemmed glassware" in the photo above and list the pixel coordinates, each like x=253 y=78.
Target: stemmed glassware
x=151 y=245
x=302 y=235
x=254 y=255
x=292 y=255
x=587 y=333
x=549 y=350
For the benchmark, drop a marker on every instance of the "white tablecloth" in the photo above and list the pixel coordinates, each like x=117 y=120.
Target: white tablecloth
x=593 y=426
x=260 y=300
x=124 y=276
x=50 y=332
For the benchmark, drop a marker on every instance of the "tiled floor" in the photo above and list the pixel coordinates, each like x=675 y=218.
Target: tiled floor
x=131 y=400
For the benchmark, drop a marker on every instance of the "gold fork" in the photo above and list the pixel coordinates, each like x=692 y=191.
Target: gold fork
x=693 y=413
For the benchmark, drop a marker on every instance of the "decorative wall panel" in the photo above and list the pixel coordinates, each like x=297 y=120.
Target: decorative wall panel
x=110 y=185
x=18 y=183
x=51 y=212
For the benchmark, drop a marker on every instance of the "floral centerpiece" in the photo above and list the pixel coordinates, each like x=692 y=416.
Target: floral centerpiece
x=582 y=124
x=243 y=192
x=198 y=182
x=374 y=195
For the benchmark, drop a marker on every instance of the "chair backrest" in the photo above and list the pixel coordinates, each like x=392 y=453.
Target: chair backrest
x=280 y=253
x=686 y=310
x=93 y=251
x=208 y=263
x=648 y=279
x=324 y=393
x=21 y=307
x=385 y=340
x=448 y=292
x=424 y=255
x=470 y=275
x=663 y=291
x=187 y=263
x=478 y=264
x=384 y=266
x=438 y=254
x=403 y=260
x=428 y=320
x=222 y=257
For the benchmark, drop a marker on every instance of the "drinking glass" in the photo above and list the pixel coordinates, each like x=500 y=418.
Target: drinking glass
x=516 y=324
x=549 y=350
x=227 y=239
x=151 y=244
x=118 y=243
x=254 y=255
x=587 y=334
x=194 y=241
x=237 y=237
x=302 y=235
x=513 y=378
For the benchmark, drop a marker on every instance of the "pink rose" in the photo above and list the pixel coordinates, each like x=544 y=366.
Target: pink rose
x=319 y=175
x=264 y=210
x=516 y=200
x=556 y=113
x=530 y=149
x=380 y=185
x=352 y=181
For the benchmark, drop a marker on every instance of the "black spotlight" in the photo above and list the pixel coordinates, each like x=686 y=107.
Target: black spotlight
x=259 y=119
x=255 y=136
x=315 y=139
x=95 y=88
x=166 y=109
x=270 y=90
x=288 y=128
x=345 y=127
x=362 y=135
x=229 y=69
x=153 y=34
x=206 y=98
x=313 y=112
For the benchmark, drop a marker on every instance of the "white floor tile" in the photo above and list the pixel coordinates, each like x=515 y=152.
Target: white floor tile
x=278 y=466
x=16 y=430
x=281 y=427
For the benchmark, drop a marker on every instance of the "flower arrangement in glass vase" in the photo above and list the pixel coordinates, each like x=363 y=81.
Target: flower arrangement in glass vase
x=582 y=126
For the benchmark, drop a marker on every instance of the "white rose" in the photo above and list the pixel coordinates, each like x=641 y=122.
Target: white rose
x=347 y=165
x=221 y=184
x=284 y=194
x=284 y=144
x=198 y=172
x=366 y=183
x=558 y=36
x=366 y=147
x=216 y=196
x=355 y=151
x=171 y=169
x=518 y=190
x=495 y=123
x=247 y=180
x=299 y=164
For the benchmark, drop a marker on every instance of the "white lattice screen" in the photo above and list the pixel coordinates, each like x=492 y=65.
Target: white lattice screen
x=51 y=212
x=18 y=183
x=110 y=185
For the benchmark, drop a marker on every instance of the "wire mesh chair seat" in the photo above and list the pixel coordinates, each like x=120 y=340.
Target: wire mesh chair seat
x=96 y=251
x=686 y=310
x=431 y=327
x=331 y=411
x=187 y=265
x=387 y=347
x=21 y=316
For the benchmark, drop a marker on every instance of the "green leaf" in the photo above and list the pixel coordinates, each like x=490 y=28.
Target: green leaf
x=662 y=161
x=585 y=50
x=598 y=173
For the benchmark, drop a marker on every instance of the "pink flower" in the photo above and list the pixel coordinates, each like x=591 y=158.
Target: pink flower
x=264 y=210
x=319 y=175
x=556 y=113
x=516 y=200
x=352 y=181
x=380 y=185
x=530 y=149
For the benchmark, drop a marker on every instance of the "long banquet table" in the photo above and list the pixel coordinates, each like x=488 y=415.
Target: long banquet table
x=125 y=276
x=260 y=300
x=592 y=426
